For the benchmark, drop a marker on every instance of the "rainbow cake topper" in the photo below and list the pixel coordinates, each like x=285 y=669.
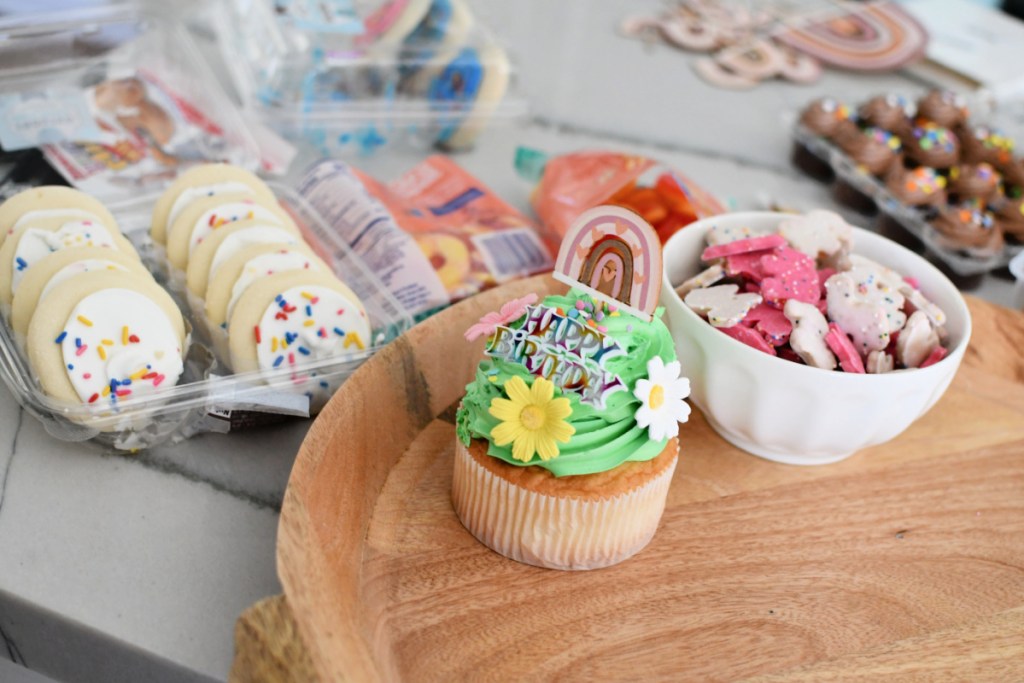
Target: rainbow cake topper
x=615 y=256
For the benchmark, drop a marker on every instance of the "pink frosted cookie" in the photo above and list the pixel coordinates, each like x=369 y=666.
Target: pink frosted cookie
x=749 y=337
x=746 y=265
x=722 y=306
x=801 y=285
x=937 y=354
x=840 y=344
x=759 y=243
x=770 y=322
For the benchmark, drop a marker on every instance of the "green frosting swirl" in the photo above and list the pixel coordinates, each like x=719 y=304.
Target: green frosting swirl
x=604 y=438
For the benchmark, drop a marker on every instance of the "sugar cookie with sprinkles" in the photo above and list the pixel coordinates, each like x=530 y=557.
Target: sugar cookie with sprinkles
x=291 y=318
x=34 y=241
x=49 y=201
x=199 y=182
x=60 y=266
x=228 y=241
x=204 y=216
x=103 y=337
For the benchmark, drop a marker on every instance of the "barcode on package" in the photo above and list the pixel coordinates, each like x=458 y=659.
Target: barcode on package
x=513 y=253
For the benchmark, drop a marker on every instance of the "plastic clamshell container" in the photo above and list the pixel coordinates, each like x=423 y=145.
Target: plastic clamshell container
x=205 y=393
x=343 y=94
x=959 y=261
x=73 y=50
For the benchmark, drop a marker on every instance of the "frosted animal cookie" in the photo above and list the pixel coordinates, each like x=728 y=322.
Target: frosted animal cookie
x=721 y=304
x=879 y=286
x=50 y=201
x=719 y=234
x=202 y=181
x=31 y=243
x=789 y=274
x=808 y=336
x=818 y=234
x=60 y=266
x=743 y=246
x=879 y=362
x=862 y=318
x=228 y=241
x=471 y=86
x=102 y=337
x=916 y=341
x=197 y=221
x=705 y=278
x=919 y=302
x=290 y=318
x=839 y=343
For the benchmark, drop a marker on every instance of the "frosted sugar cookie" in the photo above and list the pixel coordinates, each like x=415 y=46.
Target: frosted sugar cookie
x=50 y=201
x=32 y=242
x=290 y=318
x=101 y=337
x=471 y=87
x=60 y=266
x=202 y=181
x=202 y=217
x=225 y=242
x=249 y=265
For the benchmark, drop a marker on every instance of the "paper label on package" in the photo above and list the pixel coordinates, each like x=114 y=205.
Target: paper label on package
x=31 y=119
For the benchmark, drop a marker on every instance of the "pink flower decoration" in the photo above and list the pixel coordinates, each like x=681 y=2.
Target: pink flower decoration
x=509 y=312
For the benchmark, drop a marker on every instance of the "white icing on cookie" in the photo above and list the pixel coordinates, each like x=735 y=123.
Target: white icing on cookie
x=916 y=341
x=817 y=233
x=307 y=323
x=880 y=286
x=35 y=244
x=257 y=234
x=267 y=264
x=721 y=304
x=76 y=268
x=719 y=234
x=919 y=302
x=119 y=343
x=808 y=336
x=705 y=278
x=225 y=214
x=879 y=362
x=190 y=194
x=857 y=314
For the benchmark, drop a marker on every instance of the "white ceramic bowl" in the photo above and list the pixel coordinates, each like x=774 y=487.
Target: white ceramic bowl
x=793 y=413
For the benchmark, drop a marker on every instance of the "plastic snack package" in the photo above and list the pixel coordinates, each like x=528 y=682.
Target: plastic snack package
x=434 y=236
x=570 y=184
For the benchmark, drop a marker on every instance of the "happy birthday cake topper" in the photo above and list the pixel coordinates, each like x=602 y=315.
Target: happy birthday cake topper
x=615 y=256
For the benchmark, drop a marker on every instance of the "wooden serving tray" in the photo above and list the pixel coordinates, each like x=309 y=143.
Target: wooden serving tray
x=906 y=560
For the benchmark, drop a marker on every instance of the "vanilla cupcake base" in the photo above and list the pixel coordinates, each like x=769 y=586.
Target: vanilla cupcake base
x=568 y=523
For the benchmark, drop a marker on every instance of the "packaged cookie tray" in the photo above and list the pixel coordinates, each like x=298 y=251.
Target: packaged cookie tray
x=960 y=262
x=207 y=397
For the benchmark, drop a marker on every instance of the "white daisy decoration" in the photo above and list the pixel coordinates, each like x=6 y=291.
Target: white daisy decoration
x=661 y=396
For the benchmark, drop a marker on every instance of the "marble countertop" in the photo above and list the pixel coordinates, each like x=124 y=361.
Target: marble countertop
x=119 y=567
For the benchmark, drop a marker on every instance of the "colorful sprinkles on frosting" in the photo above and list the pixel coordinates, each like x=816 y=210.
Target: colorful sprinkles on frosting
x=288 y=343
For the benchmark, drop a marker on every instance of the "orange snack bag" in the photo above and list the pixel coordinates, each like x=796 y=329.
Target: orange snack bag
x=573 y=183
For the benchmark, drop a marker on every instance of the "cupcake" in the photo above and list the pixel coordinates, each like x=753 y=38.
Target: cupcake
x=982 y=144
x=930 y=144
x=874 y=151
x=567 y=435
x=974 y=181
x=825 y=118
x=968 y=226
x=1013 y=176
x=1010 y=215
x=920 y=188
x=889 y=112
x=943 y=107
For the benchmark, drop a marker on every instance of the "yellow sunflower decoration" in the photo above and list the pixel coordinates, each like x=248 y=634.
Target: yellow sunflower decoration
x=532 y=419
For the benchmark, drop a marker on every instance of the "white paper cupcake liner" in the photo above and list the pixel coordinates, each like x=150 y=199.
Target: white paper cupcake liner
x=554 y=532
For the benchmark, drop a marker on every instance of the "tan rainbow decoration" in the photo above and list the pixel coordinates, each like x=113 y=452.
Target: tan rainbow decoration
x=615 y=256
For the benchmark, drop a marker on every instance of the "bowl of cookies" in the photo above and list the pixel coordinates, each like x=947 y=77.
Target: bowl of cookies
x=807 y=339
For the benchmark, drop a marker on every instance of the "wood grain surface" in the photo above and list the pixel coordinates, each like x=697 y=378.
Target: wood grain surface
x=903 y=562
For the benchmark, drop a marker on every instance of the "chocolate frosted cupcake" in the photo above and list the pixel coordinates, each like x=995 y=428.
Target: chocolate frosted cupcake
x=825 y=118
x=889 y=112
x=1010 y=215
x=930 y=144
x=943 y=107
x=975 y=181
x=873 y=151
x=1013 y=176
x=970 y=227
x=921 y=188
x=981 y=144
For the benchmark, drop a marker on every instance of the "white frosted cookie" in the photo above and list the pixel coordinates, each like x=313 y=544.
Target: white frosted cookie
x=493 y=66
x=202 y=181
x=294 y=317
x=60 y=266
x=104 y=336
x=203 y=216
x=47 y=201
x=225 y=242
x=33 y=242
x=249 y=265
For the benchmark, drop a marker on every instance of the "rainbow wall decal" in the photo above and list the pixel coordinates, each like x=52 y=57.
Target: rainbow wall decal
x=615 y=256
